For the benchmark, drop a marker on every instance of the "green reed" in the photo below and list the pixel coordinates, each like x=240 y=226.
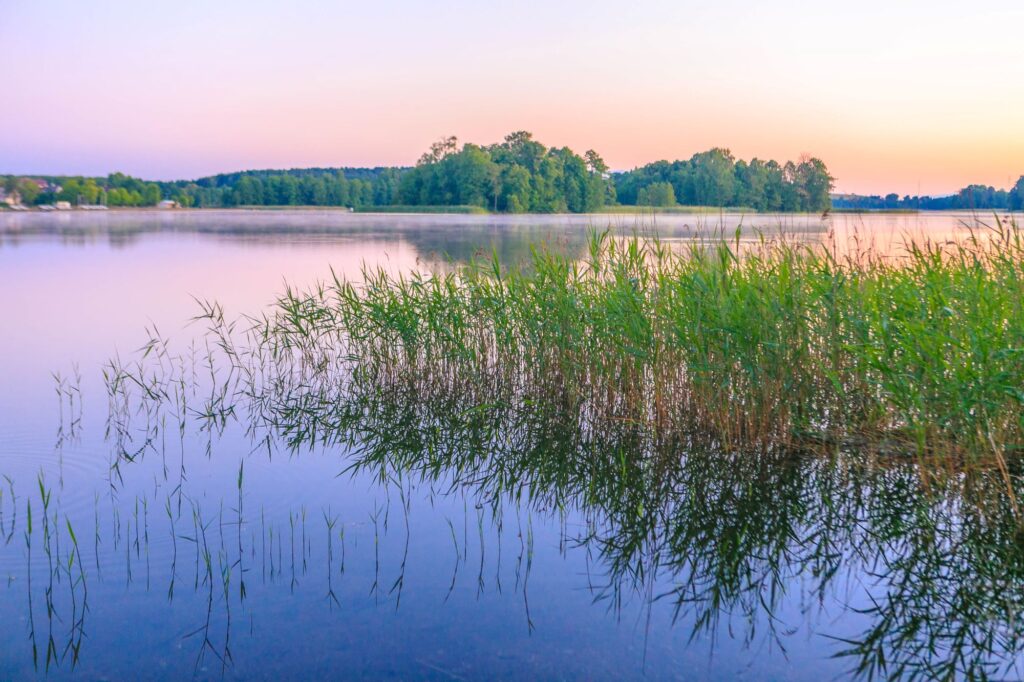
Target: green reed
x=772 y=343
x=570 y=388
x=721 y=535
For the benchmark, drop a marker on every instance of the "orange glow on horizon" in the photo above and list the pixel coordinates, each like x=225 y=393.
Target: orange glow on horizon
x=893 y=97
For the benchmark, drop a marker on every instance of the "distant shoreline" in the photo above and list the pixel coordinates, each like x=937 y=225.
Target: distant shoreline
x=461 y=211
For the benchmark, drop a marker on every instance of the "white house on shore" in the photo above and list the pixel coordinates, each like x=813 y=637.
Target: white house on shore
x=12 y=198
x=167 y=203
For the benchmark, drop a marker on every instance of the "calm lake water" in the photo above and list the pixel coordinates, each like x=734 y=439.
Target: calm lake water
x=180 y=548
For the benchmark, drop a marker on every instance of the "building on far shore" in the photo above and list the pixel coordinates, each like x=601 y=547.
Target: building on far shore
x=45 y=185
x=62 y=205
x=168 y=203
x=12 y=198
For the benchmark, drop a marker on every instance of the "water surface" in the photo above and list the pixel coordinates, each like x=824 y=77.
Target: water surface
x=465 y=543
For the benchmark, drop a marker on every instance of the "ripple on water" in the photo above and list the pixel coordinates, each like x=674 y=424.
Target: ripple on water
x=75 y=468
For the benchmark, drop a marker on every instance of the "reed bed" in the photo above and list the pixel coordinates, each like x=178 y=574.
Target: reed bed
x=679 y=399
x=775 y=343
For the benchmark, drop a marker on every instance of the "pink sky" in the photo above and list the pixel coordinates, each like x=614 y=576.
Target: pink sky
x=906 y=96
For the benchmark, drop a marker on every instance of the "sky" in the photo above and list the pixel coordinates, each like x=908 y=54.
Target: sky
x=906 y=96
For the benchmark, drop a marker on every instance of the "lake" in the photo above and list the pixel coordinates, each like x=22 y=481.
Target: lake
x=413 y=537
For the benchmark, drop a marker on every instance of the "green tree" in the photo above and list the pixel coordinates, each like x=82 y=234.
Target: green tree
x=151 y=194
x=791 y=199
x=595 y=164
x=1015 y=197
x=516 y=175
x=713 y=177
x=473 y=176
x=815 y=184
x=515 y=189
x=657 y=194
x=28 y=189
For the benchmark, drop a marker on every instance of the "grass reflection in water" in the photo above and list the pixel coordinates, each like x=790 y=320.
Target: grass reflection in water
x=724 y=451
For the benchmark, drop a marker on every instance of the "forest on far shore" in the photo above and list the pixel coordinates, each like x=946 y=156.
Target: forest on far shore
x=972 y=197
x=516 y=175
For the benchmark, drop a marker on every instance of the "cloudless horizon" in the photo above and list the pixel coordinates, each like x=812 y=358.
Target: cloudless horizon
x=912 y=97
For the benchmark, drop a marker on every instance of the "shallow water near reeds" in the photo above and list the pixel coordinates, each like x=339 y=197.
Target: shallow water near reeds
x=171 y=528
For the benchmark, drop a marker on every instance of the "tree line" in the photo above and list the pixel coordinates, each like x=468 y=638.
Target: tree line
x=972 y=197
x=517 y=175
x=716 y=178
x=522 y=175
x=117 y=189
x=341 y=187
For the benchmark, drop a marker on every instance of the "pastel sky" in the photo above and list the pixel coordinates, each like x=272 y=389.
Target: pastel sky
x=895 y=95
